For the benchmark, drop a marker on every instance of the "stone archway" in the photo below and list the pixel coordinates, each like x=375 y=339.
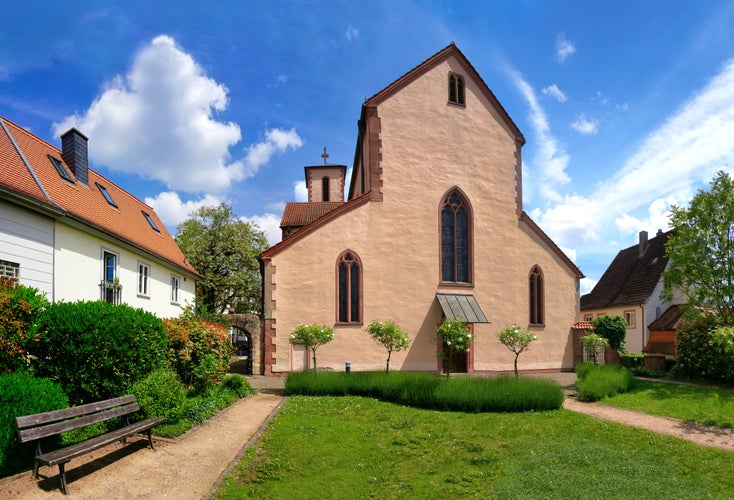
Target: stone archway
x=247 y=329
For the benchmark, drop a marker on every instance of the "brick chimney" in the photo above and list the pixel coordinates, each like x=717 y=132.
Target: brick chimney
x=643 y=242
x=74 y=153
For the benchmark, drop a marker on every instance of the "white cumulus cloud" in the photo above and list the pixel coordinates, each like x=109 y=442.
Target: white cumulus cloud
x=172 y=210
x=564 y=48
x=276 y=141
x=584 y=126
x=300 y=191
x=351 y=33
x=158 y=121
x=550 y=160
x=671 y=163
x=556 y=93
x=269 y=224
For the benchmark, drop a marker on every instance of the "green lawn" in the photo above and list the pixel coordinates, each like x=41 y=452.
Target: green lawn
x=705 y=405
x=352 y=447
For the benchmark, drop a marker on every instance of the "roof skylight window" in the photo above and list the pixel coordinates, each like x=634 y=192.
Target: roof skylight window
x=151 y=222
x=61 y=169
x=106 y=194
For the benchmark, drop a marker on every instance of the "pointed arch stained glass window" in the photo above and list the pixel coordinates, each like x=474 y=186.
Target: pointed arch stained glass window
x=455 y=229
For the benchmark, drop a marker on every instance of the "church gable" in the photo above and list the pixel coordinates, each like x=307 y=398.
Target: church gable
x=434 y=215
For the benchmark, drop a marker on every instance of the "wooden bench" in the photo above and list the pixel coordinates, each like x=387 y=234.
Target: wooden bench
x=41 y=425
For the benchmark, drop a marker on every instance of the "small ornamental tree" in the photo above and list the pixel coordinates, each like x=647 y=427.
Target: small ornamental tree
x=516 y=340
x=312 y=336
x=593 y=344
x=390 y=336
x=612 y=328
x=456 y=336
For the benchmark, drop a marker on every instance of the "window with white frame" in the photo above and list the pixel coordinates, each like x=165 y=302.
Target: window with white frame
x=143 y=279
x=111 y=289
x=629 y=318
x=589 y=317
x=10 y=270
x=175 y=285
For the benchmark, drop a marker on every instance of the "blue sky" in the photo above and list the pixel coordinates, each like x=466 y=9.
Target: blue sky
x=627 y=106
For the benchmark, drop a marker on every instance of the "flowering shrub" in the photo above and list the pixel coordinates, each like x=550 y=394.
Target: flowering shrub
x=516 y=340
x=705 y=349
x=19 y=309
x=312 y=336
x=457 y=338
x=390 y=336
x=198 y=350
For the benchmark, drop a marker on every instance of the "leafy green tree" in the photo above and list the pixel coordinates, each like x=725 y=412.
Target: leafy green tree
x=612 y=328
x=224 y=250
x=516 y=340
x=456 y=336
x=390 y=336
x=701 y=250
x=313 y=337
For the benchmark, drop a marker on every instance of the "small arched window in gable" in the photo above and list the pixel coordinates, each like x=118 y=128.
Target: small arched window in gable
x=325 y=189
x=349 y=288
x=456 y=89
x=537 y=315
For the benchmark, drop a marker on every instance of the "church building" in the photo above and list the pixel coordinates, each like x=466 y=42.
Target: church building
x=432 y=227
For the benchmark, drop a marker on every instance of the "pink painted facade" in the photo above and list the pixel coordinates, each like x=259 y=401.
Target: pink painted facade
x=384 y=254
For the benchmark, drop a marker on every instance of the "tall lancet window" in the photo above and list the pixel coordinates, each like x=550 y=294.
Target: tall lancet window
x=455 y=238
x=536 y=296
x=349 y=288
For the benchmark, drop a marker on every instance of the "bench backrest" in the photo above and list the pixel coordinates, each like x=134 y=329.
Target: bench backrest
x=32 y=427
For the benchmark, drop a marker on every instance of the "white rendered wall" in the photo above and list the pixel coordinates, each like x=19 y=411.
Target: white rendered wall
x=27 y=238
x=79 y=272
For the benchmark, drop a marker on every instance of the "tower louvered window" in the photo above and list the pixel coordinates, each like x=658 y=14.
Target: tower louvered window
x=325 y=189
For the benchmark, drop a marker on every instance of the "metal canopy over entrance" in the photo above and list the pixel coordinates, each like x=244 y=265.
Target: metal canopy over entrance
x=461 y=306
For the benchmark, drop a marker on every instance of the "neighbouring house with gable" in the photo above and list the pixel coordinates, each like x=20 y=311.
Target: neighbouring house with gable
x=74 y=235
x=631 y=288
x=433 y=227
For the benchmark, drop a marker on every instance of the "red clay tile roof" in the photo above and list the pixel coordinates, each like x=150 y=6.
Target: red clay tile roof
x=668 y=320
x=583 y=325
x=630 y=279
x=299 y=214
x=38 y=180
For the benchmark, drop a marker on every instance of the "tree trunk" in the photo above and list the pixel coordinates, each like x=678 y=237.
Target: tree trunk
x=387 y=367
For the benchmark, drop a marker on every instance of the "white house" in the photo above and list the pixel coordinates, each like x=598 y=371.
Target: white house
x=74 y=235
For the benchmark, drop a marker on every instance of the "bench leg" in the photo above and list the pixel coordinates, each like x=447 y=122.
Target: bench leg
x=62 y=476
x=150 y=440
x=35 y=470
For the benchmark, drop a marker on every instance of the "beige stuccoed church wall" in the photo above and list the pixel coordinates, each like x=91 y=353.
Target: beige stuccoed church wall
x=428 y=147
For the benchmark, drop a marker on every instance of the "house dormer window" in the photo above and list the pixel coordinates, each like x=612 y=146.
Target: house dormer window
x=61 y=169
x=456 y=89
x=151 y=222
x=106 y=194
